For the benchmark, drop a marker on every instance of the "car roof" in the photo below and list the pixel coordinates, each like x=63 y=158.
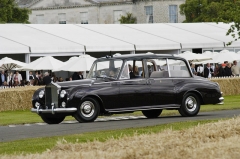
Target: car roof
x=139 y=56
x=125 y=56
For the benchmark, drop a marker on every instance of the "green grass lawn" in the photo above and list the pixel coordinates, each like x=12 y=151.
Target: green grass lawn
x=25 y=116
x=38 y=145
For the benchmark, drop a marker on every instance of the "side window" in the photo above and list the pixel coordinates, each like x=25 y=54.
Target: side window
x=125 y=72
x=134 y=68
x=178 y=68
x=157 y=68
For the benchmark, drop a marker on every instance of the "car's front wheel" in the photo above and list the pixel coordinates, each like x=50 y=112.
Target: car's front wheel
x=52 y=119
x=87 y=111
x=152 y=113
x=190 y=105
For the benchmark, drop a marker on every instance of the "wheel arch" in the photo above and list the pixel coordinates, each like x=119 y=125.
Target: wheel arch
x=199 y=95
x=97 y=98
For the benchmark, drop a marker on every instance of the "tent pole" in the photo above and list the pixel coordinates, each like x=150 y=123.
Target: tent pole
x=27 y=60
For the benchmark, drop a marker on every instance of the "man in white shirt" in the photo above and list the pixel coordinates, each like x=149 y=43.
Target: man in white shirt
x=200 y=70
x=235 y=68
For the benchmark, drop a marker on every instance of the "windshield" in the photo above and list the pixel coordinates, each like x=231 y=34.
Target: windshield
x=106 y=69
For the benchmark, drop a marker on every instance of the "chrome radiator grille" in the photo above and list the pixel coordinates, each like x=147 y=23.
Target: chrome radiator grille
x=51 y=96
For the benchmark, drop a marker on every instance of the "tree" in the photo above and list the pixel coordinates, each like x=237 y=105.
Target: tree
x=11 y=13
x=128 y=19
x=226 y=11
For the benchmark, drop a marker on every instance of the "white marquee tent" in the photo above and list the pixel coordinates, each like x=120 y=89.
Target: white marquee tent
x=74 y=39
x=34 y=40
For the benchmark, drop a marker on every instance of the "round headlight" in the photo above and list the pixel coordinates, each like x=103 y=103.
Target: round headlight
x=63 y=93
x=63 y=104
x=41 y=94
x=37 y=104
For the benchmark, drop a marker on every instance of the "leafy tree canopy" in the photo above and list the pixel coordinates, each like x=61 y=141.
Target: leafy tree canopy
x=128 y=19
x=227 y=11
x=11 y=13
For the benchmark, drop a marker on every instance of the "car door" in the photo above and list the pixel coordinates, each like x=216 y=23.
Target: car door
x=108 y=92
x=134 y=92
x=105 y=83
x=162 y=89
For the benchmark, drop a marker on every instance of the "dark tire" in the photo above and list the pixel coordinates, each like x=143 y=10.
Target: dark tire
x=152 y=113
x=52 y=119
x=87 y=111
x=190 y=105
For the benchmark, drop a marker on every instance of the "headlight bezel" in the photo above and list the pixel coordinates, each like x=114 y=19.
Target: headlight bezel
x=63 y=94
x=41 y=94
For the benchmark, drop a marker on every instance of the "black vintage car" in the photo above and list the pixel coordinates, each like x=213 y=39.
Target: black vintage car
x=127 y=83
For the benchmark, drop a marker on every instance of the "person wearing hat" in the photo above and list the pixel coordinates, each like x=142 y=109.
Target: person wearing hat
x=222 y=70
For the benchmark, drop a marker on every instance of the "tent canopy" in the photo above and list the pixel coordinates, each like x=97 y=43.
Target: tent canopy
x=79 y=38
x=42 y=63
x=9 y=46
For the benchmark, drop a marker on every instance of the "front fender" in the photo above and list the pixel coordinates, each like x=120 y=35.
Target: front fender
x=79 y=96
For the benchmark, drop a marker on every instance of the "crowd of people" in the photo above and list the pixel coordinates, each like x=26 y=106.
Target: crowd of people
x=36 y=78
x=225 y=69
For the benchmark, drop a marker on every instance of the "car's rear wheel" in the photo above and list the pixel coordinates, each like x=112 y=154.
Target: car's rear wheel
x=52 y=119
x=152 y=113
x=190 y=105
x=87 y=111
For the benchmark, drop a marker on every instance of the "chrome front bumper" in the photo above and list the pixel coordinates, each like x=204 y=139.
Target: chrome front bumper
x=221 y=99
x=54 y=110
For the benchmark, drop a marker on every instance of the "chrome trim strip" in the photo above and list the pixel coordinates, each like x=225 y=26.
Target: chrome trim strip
x=169 y=74
x=37 y=110
x=126 y=80
x=55 y=110
x=172 y=106
x=52 y=108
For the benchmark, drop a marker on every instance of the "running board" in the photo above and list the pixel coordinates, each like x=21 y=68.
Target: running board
x=172 y=106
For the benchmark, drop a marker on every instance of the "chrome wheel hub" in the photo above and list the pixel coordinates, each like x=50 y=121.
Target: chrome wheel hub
x=87 y=109
x=191 y=103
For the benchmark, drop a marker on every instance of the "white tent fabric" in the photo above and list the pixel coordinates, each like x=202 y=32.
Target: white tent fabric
x=208 y=30
x=39 y=41
x=93 y=41
x=9 y=46
x=186 y=38
x=194 y=57
x=43 y=63
x=209 y=53
x=71 y=38
x=142 y=40
x=82 y=63
x=225 y=55
x=8 y=64
x=69 y=61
